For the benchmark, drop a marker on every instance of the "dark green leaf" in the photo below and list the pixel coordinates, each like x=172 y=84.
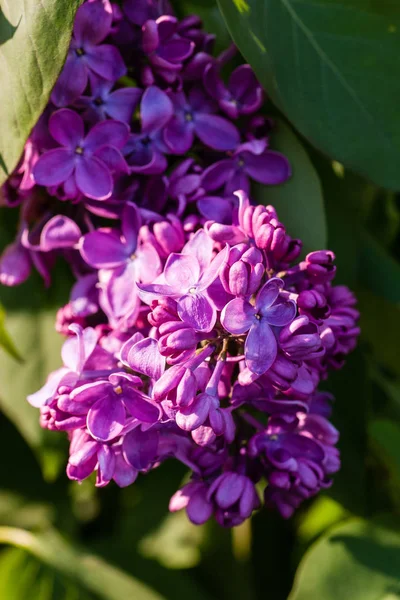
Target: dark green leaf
x=387 y=434
x=332 y=67
x=380 y=327
x=34 y=39
x=379 y=272
x=358 y=560
x=5 y=339
x=91 y=573
x=299 y=201
x=22 y=576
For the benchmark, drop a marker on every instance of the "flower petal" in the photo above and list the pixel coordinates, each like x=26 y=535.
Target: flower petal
x=107 y=133
x=281 y=313
x=140 y=448
x=92 y=23
x=200 y=246
x=93 y=178
x=216 y=132
x=67 y=128
x=213 y=270
x=59 y=232
x=260 y=348
x=269 y=168
x=155 y=109
x=122 y=103
x=106 y=61
x=179 y=135
x=71 y=82
x=106 y=418
x=197 y=311
x=268 y=294
x=144 y=357
x=54 y=167
x=238 y=316
x=139 y=407
x=191 y=417
x=181 y=272
x=103 y=250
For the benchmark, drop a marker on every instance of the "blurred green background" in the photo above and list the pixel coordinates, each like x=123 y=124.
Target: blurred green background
x=61 y=540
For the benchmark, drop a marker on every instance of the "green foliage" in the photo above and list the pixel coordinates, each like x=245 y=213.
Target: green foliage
x=87 y=571
x=332 y=68
x=34 y=39
x=6 y=341
x=358 y=560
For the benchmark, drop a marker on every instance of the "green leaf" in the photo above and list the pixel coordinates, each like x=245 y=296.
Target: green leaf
x=89 y=572
x=22 y=576
x=5 y=339
x=34 y=39
x=358 y=560
x=387 y=434
x=378 y=271
x=332 y=67
x=299 y=201
x=380 y=328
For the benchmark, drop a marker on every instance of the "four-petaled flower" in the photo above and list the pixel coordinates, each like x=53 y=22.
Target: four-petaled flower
x=269 y=310
x=83 y=162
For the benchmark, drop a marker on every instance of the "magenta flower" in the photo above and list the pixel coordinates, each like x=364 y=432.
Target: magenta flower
x=251 y=160
x=187 y=277
x=109 y=401
x=85 y=160
x=194 y=117
x=242 y=96
x=86 y=55
x=240 y=316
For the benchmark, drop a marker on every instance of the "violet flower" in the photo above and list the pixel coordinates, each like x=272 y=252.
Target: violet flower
x=239 y=316
x=109 y=401
x=145 y=151
x=84 y=160
x=75 y=352
x=242 y=96
x=87 y=55
x=251 y=160
x=187 y=277
x=104 y=103
x=166 y=50
x=194 y=116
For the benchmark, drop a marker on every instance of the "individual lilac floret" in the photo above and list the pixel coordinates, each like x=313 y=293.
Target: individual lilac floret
x=123 y=262
x=187 y=277
x=194 y=115
x=82 y=162
x=87 y=455
x=104 y=102
x=242 y=96
x=251 y=160
x=109 y=400
x=270 y=309
x=75 y=352
x=87 y=55
x=145 y=151
x=166 y=50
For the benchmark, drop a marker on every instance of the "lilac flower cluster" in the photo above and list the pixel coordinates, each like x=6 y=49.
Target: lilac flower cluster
x=194 y=330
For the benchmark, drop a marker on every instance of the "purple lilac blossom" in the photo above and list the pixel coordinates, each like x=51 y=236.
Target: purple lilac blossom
x=194 y=331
